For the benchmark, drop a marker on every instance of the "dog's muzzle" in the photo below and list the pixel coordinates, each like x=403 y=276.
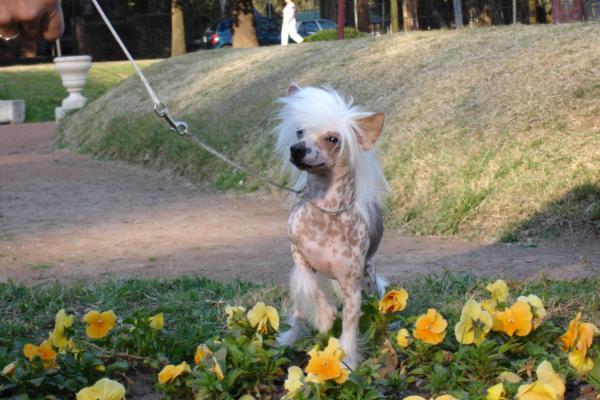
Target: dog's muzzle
x=298 y=151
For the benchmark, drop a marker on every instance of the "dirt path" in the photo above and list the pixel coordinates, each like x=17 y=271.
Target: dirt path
x=64 y=216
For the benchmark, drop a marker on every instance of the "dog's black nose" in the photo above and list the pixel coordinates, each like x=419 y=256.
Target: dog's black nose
x=298 y=151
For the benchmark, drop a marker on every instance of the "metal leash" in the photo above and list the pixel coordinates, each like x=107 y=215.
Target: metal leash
x=180 y=127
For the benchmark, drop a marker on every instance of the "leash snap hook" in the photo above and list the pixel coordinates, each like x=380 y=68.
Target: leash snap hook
x=179 y=127
x=182 y=128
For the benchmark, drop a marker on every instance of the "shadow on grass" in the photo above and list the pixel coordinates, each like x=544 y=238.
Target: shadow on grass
x=576 y=212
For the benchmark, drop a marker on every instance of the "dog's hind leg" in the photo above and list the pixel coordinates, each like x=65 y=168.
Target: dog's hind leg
x=310 y=302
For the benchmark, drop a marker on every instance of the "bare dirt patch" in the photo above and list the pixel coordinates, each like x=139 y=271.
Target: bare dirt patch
x=64 y=216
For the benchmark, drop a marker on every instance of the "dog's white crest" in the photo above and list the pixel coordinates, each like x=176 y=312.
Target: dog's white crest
x=323 y=109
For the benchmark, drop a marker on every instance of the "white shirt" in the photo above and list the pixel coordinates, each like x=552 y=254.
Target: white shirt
x=289 y=13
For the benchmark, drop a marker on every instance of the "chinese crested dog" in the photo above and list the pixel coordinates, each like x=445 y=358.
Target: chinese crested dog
x=335 y=226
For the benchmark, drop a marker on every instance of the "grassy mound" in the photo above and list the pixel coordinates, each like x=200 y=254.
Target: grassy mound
x=490 y=132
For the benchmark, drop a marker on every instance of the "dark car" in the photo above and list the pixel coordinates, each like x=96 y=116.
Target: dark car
x=310 y=26
x=268 y=31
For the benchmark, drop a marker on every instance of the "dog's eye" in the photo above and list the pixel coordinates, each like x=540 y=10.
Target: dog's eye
x=299 y=132
x=333 y=140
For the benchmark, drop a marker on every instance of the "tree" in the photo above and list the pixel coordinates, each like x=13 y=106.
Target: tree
x=341 y=19
x=243 y=26
x=177 y=29
x=394 y=17
x=363 y=15
x=409 y=13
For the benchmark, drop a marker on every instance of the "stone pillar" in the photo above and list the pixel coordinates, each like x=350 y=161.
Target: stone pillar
x=12 y=111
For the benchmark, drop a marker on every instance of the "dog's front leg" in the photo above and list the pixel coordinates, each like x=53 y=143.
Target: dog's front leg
x=351 y=314
x=310 y=302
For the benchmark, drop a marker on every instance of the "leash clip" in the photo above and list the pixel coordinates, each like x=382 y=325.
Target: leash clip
x=180 y=127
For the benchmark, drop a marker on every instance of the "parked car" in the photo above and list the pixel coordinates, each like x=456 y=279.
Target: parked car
x=268 y=31
x=310 y=26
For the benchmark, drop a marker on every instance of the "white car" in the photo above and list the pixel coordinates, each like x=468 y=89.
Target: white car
x=310 y=26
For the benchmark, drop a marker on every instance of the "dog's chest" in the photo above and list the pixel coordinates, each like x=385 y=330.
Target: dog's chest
x=330 y=244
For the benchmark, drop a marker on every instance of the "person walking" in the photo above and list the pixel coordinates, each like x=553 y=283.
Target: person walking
x=288 y=26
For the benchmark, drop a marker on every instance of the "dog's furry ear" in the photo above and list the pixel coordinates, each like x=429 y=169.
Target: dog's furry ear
x=370 y=129
x=293 y=88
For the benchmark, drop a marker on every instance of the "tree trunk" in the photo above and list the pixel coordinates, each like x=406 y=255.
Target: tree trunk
x=394 y=16
x=532 y=12
x=243 y=29
x=458 y=15
x=327 y=8
x=363 y=15
x=409 y=13
x=177 y=29
x=436 y=16
x=341 y=19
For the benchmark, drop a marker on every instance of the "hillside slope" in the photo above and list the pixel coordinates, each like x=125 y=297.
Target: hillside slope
x=490 y=132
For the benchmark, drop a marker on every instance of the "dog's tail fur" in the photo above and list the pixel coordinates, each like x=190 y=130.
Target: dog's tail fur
x=381 y=284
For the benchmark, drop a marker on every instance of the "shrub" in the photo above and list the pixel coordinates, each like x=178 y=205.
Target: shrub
x=331 y=34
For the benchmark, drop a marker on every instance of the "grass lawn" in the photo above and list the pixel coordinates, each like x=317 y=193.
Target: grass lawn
x=42 y=90
x=194 y=310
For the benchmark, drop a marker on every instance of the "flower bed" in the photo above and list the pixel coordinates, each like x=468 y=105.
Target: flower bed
x=497 y=347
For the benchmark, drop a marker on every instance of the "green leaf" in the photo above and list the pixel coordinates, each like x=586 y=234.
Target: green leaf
x=37 y=381
x=118 y=366
x=593 y=378
x=534 y=349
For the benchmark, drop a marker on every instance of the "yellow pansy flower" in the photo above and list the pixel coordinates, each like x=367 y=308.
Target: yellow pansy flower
x=294 y=381
x=509 y=377
x=489 y=306
x=578 y=340
x=499 y=291
x=327 y=364
x=516 y=319
x=403 y=338
x=170 y=372
x=393 y=301
x=262 y=314
x=537 y=308
x=202 y=352
x=569 y=339
x=430 y=327
x=217 y=370
x=549 y=385
x=587 y=332
x=474 y=324
x=57 y=338
x=579 y=361
x=99 y=324
x=495 y=392
x=157 y=322
x=442 y=397
x=104 y=389
x=233 y=314
x=44 y=351
x=536 y=391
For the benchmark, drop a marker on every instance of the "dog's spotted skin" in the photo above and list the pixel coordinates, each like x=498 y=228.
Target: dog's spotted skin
x=338 y=247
